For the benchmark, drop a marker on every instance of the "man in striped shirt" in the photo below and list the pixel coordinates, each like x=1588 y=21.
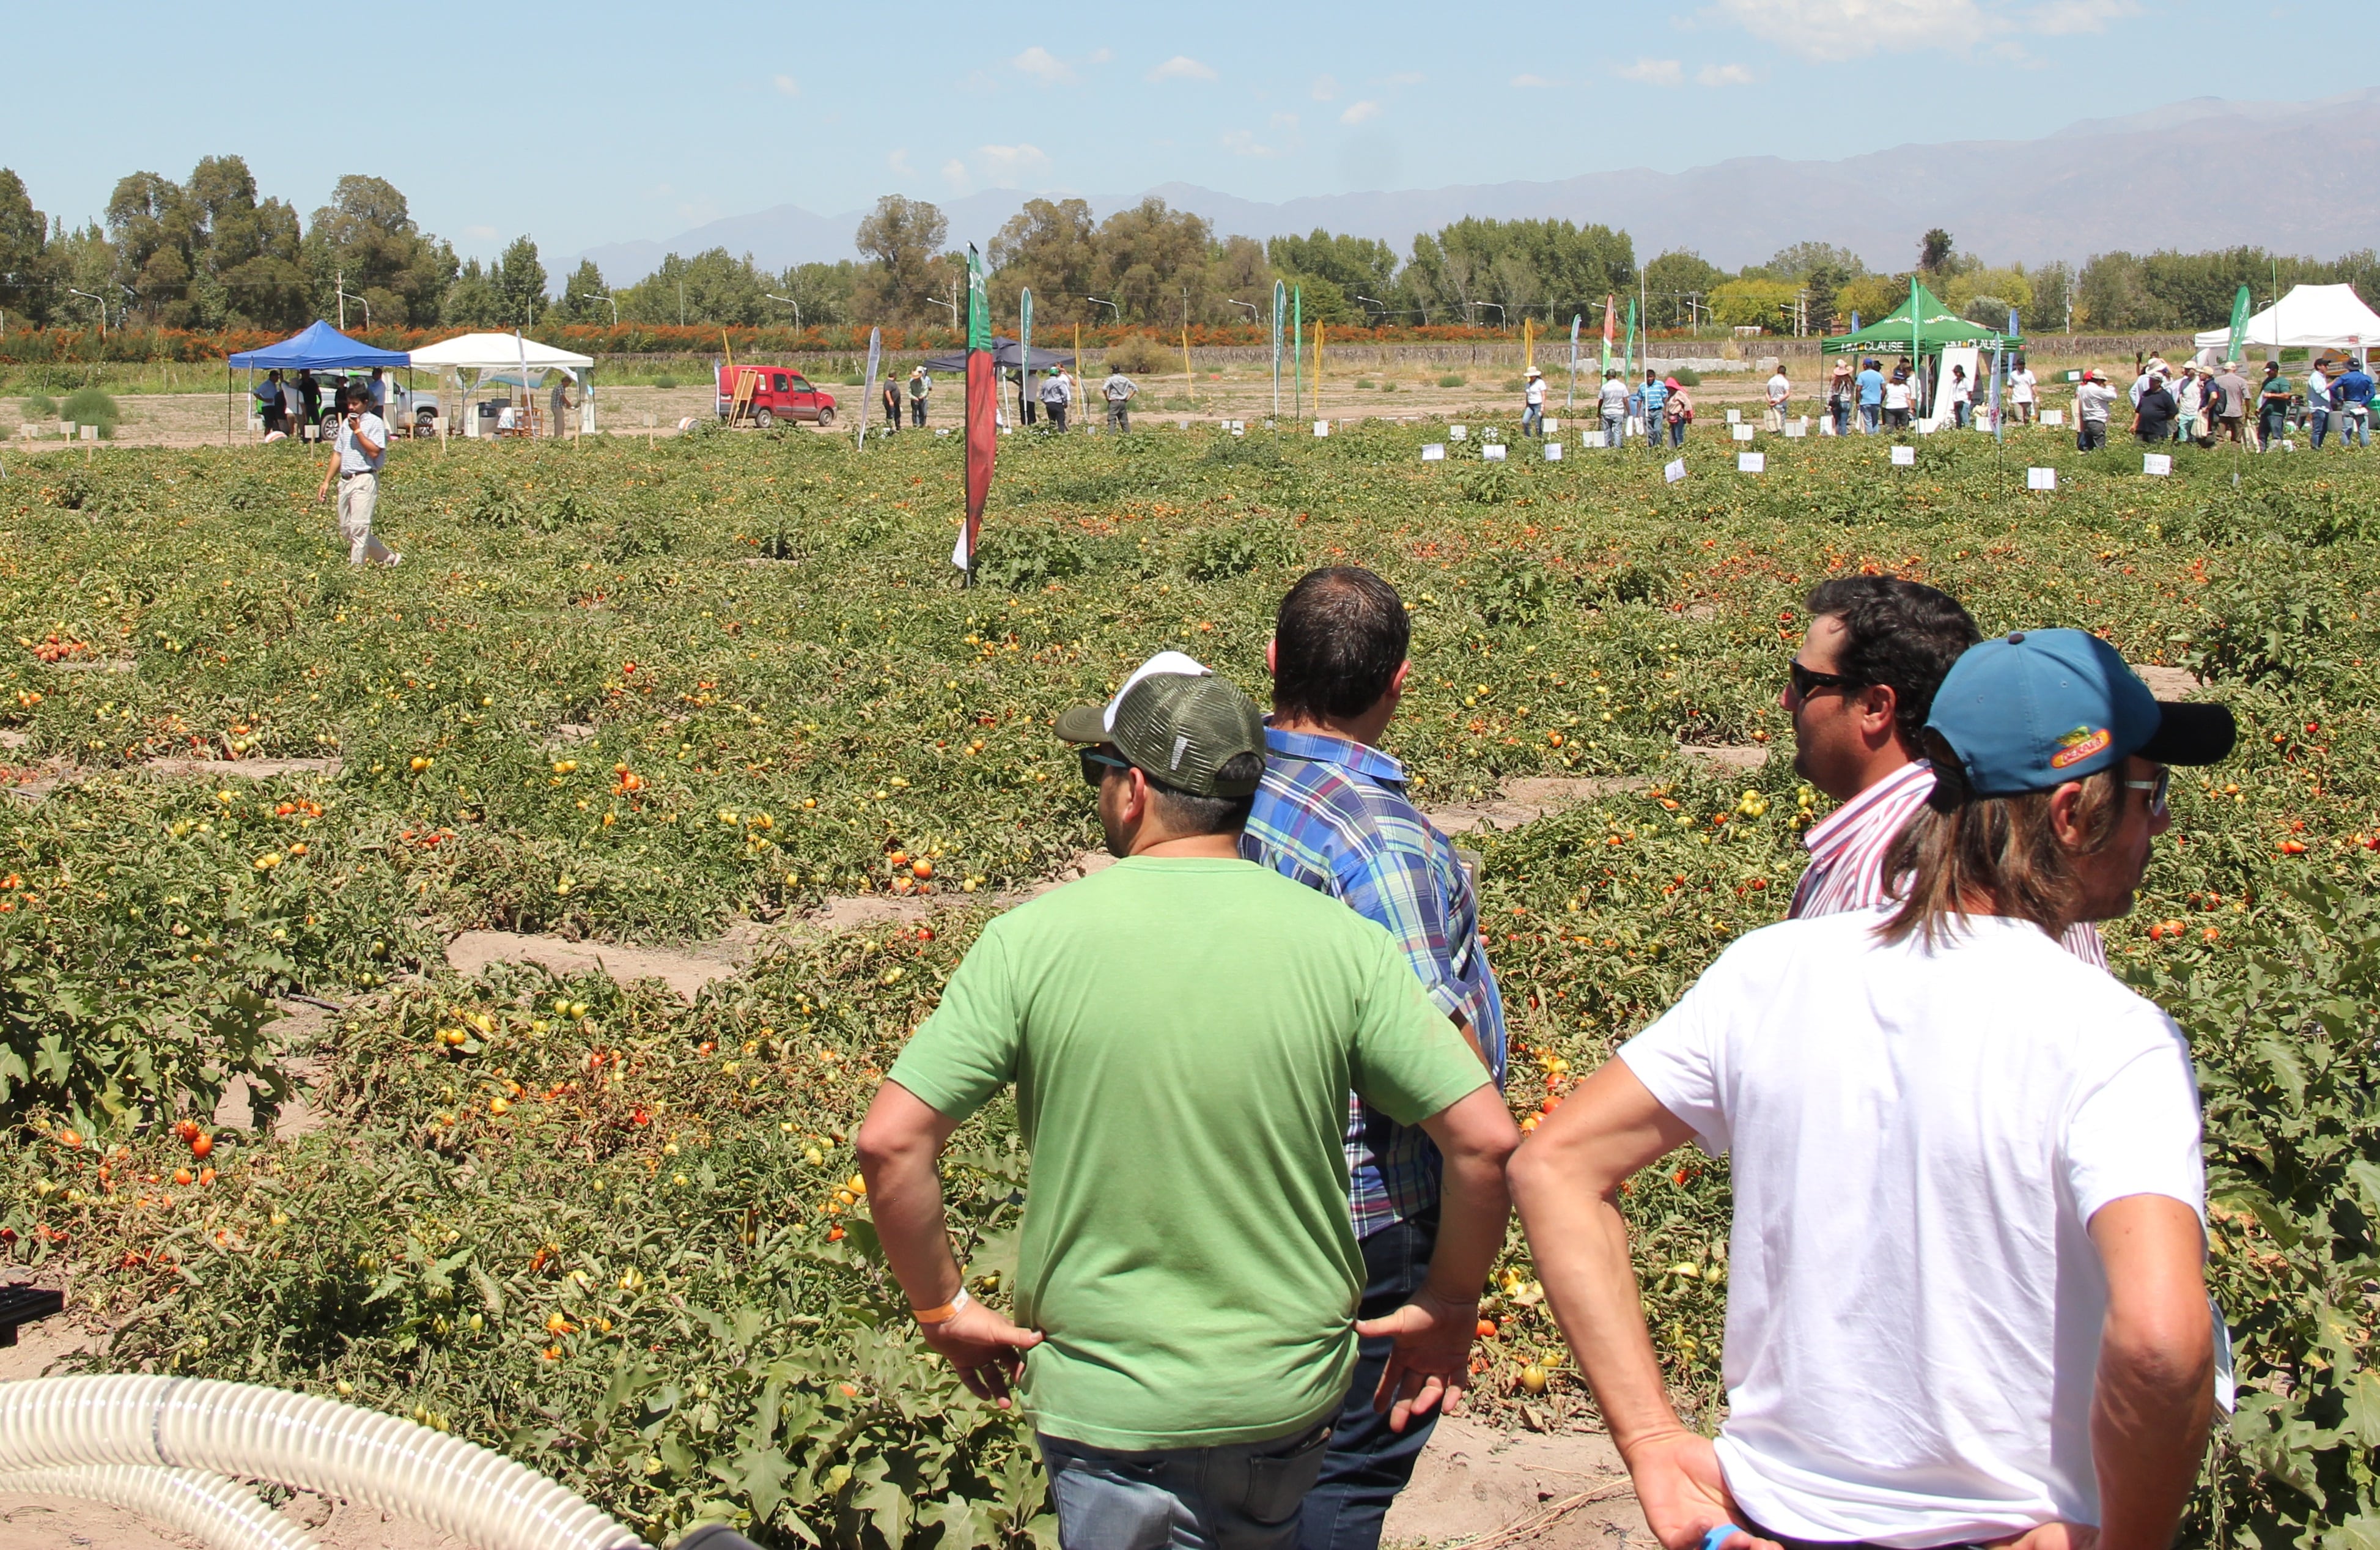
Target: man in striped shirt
x=1859 y=692
x=1332 y=812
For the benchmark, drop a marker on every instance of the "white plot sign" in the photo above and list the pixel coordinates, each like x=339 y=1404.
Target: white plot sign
x=2053 y=417
x=1797 y=429
x=2156 y=464
x=1752 y=462
x=1456 y=433
x=1433 y=452
x=1590 y=438
x=1741 y=432
x=2041 y=478
x=1735 y=417
x=1553 y=452
x=1493 y=452
x=1674 y=470
x=1904 y=457
x=1322 y=427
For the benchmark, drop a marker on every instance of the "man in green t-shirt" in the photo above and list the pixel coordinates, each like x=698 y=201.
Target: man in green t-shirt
x=1182 y=1029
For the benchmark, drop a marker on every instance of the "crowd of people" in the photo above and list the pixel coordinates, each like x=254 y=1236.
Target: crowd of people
x=2205 y=403
x=290 y=405
x=1258 y=1062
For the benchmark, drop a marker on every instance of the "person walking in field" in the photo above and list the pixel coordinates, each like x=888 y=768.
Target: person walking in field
x=1839 y=395
x=2093 y=398
x=1678 y=408
x=1966 y=1288
x=1533 y=404
x=1334 y=814
x=2272 y=408
x=2021 y=383
x=1611 y=405
x=2232 y=413
x=921 y=388
x=1859 y=691
x=1187 y=1274
x=1119 y=390
x=891 y=396
x=2318 y=404
x=2352 y=396
x=1056 y=397
x=1652 y=399
x=1780 y=392
x=1870 y=383
x=357 y=449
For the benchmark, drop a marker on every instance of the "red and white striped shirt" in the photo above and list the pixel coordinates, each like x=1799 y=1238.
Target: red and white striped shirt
x=1847 y=853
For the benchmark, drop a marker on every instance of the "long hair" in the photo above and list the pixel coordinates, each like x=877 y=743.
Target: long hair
x=1962 y=848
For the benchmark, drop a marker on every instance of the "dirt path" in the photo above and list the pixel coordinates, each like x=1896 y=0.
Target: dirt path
x=1480 y=1488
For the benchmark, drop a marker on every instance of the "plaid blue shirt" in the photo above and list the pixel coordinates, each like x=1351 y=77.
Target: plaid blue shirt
x=1332 y=814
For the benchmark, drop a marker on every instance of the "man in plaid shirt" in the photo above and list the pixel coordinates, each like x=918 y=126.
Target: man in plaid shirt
x=1332 y=813
x=1860 y=689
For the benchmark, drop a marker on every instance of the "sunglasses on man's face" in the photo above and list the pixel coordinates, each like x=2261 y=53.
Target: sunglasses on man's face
x=1808 y=682
x=1095 y=766
x=2157 y=789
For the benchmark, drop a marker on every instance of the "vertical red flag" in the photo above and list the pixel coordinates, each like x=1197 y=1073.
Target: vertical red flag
x=982 y=406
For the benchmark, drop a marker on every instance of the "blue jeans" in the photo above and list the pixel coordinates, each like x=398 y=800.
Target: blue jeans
x=1615 y=430
x=1870 y=415
x=1368 y=1464
x=2317 y=423
x=1678 y=432
x=1243 y=1497
x=2355 y=425
x=1532 y=420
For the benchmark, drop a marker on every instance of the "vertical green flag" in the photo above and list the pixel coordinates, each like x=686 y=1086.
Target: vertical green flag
x=1023 y=351
x=2240 y=305
x=1628 y=356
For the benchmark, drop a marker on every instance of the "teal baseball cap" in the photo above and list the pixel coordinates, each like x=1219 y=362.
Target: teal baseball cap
x=2034 y=709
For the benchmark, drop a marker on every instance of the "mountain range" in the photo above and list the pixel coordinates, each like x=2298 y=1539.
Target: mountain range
x=2295 y=177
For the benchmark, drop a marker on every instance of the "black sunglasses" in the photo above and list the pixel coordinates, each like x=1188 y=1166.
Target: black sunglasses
x=1808 y=682
x=1096 y=765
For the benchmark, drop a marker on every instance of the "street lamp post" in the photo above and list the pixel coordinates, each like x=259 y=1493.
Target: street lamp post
x=345 y=297
x=1500 y=312
x=100 y=299
x=1377 y=302
x=788 y=301
x=1109 y=305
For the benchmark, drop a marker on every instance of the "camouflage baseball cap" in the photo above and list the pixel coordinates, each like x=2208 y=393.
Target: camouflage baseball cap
x=1179 y=724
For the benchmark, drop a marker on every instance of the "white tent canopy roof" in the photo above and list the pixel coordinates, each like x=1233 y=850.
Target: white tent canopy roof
x=492 y=352
x=2310 y=317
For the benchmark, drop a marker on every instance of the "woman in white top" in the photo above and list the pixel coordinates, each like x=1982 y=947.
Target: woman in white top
x=2021 y=381
x=1896 y=402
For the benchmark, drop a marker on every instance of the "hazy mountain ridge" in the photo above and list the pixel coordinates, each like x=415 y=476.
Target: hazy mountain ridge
x=2197 y=174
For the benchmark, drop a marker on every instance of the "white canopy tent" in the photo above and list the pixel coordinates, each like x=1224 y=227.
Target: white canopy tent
x=2309 y=317
x=484 y=355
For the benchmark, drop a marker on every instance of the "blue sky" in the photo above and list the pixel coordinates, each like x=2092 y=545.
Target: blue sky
x=596 y=123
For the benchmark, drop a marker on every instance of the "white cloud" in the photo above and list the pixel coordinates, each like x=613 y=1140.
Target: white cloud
x=484 y=234
x=786 y=86
x=1004 y=164
x=955 y=173
x=1283 y=121
x=1528 y=82
x=1044 y=67
x=1723 y=75
x=1099 y=56
x=1654 y=72
x=1244 y=142
x=1181 y=67
x=1834 y=31
x=1358 y=113
x=1404 y=78
x=899 y=162
x=1325 y=88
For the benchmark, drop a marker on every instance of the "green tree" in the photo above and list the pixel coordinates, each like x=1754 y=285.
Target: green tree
x=24 y=242
x=1676 y=285
x=1236 y=269
x=366 y=235
x=2053 y=286
x=1335 y=271
x=474 y=299
x=712 y=288
x=251 y=275
x=2113 y=294
x=1153 y=265
x=1749 y=303
x=823 y=291
x=1477 y=270
x=81 y=259
x=585 y=298
x=1051 y=247
x=903 y=236
x=1934 y=252
x=519 y=278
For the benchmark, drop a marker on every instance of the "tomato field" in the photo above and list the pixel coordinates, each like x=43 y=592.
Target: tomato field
x=665 y=692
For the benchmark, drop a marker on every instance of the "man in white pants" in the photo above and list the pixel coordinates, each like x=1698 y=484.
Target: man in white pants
x=360 y=445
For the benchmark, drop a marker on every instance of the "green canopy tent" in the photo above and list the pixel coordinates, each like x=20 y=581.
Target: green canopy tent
x=1923 y=326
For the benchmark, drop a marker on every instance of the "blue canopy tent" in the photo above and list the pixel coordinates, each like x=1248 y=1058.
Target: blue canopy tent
x=320 y=348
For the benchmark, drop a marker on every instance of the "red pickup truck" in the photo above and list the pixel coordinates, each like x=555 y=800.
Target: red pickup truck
x=776 y=394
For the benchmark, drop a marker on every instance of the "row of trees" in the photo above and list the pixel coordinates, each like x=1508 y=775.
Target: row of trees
x=209 y=252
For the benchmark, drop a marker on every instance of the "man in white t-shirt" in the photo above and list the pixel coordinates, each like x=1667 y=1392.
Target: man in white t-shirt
x=1612 y=405
x=2020 y=385
x=357 y=450
x=1966 y=1295
x=1780 y=389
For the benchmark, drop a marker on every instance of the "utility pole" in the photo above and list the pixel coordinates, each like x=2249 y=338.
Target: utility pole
x=339 y=283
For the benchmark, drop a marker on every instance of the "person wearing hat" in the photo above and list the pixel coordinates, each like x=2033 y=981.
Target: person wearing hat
x=1611 y=403
x=1533 y=404
x=1652 y=402
x=2272 y=408
x=1183 y=1031
x=1678 y=407
x=2231 y=409
x=921 y=388
x=1839 y=394
x=2351 y=396
x=2021 y=382
x=2093 y=397
x=1870 y=383
x=2188 y=402
x=1966 y=1292
x=892 y=404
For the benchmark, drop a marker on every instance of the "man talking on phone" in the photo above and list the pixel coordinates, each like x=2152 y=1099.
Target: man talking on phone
x=356 y=451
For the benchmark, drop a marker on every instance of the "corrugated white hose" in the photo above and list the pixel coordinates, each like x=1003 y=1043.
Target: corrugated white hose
x=478 y=1496
x=214 y=1509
